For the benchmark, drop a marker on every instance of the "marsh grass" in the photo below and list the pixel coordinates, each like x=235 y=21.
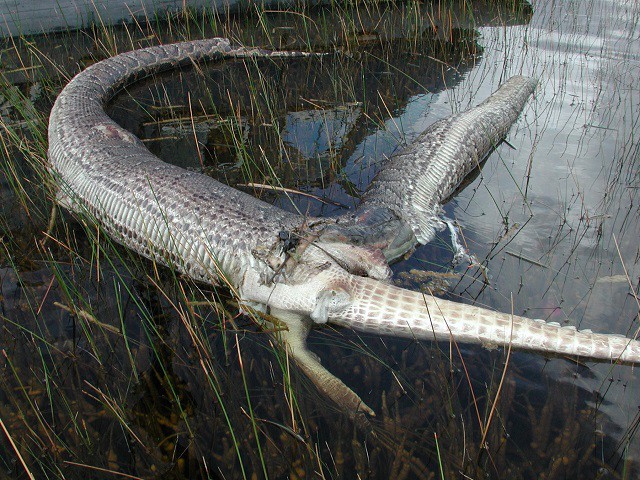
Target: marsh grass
x=113 y=366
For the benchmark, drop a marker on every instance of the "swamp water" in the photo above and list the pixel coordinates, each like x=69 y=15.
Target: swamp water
x=112 y=366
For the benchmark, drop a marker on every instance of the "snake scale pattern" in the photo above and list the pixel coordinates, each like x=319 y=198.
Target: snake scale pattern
x=338 y=270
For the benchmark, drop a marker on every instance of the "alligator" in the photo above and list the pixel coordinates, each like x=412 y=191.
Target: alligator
x=304 y=271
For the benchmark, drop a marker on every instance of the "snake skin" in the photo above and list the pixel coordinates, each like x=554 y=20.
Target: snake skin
x=217 y=234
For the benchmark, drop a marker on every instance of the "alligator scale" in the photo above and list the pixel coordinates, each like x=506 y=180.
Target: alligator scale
x=337 y=269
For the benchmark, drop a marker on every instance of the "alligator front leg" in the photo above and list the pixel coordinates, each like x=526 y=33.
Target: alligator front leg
x=294 y=339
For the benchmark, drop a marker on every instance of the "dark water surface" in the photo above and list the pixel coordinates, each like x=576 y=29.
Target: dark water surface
x=109 y=363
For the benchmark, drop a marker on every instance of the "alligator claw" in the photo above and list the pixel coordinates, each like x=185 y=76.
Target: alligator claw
x=294 y=339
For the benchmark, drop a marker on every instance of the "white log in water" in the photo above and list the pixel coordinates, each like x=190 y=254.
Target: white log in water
x=30 y=17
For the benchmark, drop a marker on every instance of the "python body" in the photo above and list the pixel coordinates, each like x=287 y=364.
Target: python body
x=337 y=269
